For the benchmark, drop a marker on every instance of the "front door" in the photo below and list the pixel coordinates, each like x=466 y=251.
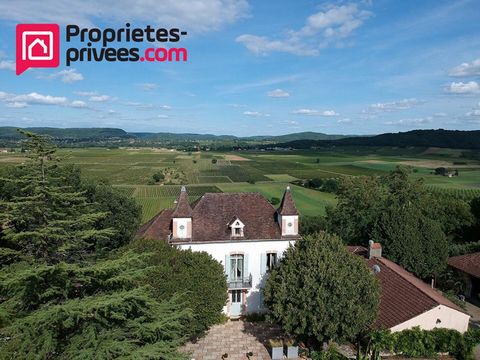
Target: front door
x=236 y=297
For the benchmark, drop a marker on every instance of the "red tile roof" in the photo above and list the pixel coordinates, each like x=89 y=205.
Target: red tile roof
x=213 y=212
x=287 y=206
x=469 y=263
x=183 y=208
x=403 y=296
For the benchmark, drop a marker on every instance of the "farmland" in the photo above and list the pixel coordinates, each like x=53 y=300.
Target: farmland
x=268 y=172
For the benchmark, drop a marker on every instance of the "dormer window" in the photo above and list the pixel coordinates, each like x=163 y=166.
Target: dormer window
x=236 y=227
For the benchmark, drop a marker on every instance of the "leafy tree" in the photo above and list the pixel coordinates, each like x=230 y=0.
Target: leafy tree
x=312 y=224
x=123 y=215
x=196 y=275
x=411 y=223
x=361 y=200
x=413 y=240
x=158 y=176
x=321 y=292
x=45 y=218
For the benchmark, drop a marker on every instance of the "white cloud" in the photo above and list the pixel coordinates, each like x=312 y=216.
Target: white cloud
x=470 y=87
x=412 y=121
x=23 y=100
x=278 y=93
x=99 y=98
x=67 y=76
x=199 y=15
x=475 y=112
x=404 y=104
x=148 y=86
x=7 y=65
x=165 y=107
x=255 y=113
x=329 y=113
x=86 y=93
x=306 y=112
x=322 y=29
x=78 y=104
x=311 y=112
x=466 y=69
x=344 y=121
x=16 y=105
x=162 y=116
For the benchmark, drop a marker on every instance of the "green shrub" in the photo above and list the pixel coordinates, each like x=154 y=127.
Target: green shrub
x=426 y=343
x=196 y=275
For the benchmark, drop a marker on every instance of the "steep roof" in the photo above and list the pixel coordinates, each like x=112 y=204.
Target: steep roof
x=287 y=206
x=469 y=263
x=403 y=296
x=213 y=213
x=183 y=208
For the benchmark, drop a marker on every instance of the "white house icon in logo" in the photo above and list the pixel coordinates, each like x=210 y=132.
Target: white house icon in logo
x=27 y=51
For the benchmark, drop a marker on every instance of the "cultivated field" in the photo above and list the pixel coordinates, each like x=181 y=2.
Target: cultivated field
x=130 y=170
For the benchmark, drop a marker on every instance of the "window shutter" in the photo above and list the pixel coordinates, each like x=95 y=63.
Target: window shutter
x=263 y=263
x=246 y=271
x=227 y=264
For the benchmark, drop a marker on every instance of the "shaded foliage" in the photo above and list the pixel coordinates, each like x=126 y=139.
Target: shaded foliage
x=318 y=279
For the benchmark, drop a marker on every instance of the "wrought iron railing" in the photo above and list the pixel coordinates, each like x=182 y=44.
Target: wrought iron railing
x=239 y=283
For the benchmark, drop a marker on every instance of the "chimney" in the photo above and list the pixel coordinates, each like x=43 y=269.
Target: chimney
x=374 y=249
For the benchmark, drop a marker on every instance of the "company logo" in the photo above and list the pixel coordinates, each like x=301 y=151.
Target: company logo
x=38 y=46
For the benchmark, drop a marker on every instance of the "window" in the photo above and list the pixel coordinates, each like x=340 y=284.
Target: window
x=238 y=231
x=236 y=296
x=182 y=227
x=236 y=267
x=271 y=260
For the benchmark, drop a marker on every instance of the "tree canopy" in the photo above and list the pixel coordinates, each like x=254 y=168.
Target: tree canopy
x=321 y=292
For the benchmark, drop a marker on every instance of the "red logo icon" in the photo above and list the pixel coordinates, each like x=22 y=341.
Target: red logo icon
x=38 y=46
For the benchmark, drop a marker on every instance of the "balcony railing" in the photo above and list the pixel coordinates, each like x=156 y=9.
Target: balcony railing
x=239 y=283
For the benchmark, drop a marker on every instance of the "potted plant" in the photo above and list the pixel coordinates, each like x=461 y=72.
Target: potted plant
x=292 y=348
x=276 y=348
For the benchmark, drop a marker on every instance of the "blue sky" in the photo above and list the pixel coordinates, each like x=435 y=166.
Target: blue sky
x=258 y=67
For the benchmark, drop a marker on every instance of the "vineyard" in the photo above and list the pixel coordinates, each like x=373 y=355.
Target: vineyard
x=463 y=194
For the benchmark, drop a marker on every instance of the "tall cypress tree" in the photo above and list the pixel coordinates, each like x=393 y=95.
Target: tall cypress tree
x=46 y=218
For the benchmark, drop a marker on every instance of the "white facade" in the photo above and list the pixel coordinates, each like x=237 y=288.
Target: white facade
x=439 y=317
x=255 y=263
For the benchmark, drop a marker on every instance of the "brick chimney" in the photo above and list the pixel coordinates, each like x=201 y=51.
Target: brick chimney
x=374 y=249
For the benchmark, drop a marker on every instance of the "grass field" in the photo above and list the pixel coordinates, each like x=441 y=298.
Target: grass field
x=266 y=172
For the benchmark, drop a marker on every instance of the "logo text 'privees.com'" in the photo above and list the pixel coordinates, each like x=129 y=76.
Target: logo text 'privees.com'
x=38 y=45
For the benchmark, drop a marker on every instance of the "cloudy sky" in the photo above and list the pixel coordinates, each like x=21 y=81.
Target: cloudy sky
x=258 y=67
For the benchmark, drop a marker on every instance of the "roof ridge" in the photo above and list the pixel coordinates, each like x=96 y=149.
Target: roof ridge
x=419 y=284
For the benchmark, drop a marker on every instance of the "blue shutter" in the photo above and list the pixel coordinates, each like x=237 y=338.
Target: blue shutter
x=227 y=264
x=263 y=263
x=246 y=273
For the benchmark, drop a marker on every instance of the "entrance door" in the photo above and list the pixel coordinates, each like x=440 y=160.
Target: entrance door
x=236 y=303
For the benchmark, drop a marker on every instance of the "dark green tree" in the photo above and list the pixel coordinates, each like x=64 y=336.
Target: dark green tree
x=321 y=292
x=196 y=275
x=44 y=218
x=413 y=240
x=94 y=311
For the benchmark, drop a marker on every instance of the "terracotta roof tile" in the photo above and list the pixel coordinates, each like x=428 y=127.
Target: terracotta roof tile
x=183 y=208
x=403 y=296
x=287 y=206
x=213 y=212
x=469 y=263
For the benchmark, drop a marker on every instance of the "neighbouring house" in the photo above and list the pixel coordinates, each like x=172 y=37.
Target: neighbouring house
x=469 y=267
x=243 y=231
x=407 y=301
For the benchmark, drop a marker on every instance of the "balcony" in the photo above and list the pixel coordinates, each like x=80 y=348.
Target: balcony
x=239 y=283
